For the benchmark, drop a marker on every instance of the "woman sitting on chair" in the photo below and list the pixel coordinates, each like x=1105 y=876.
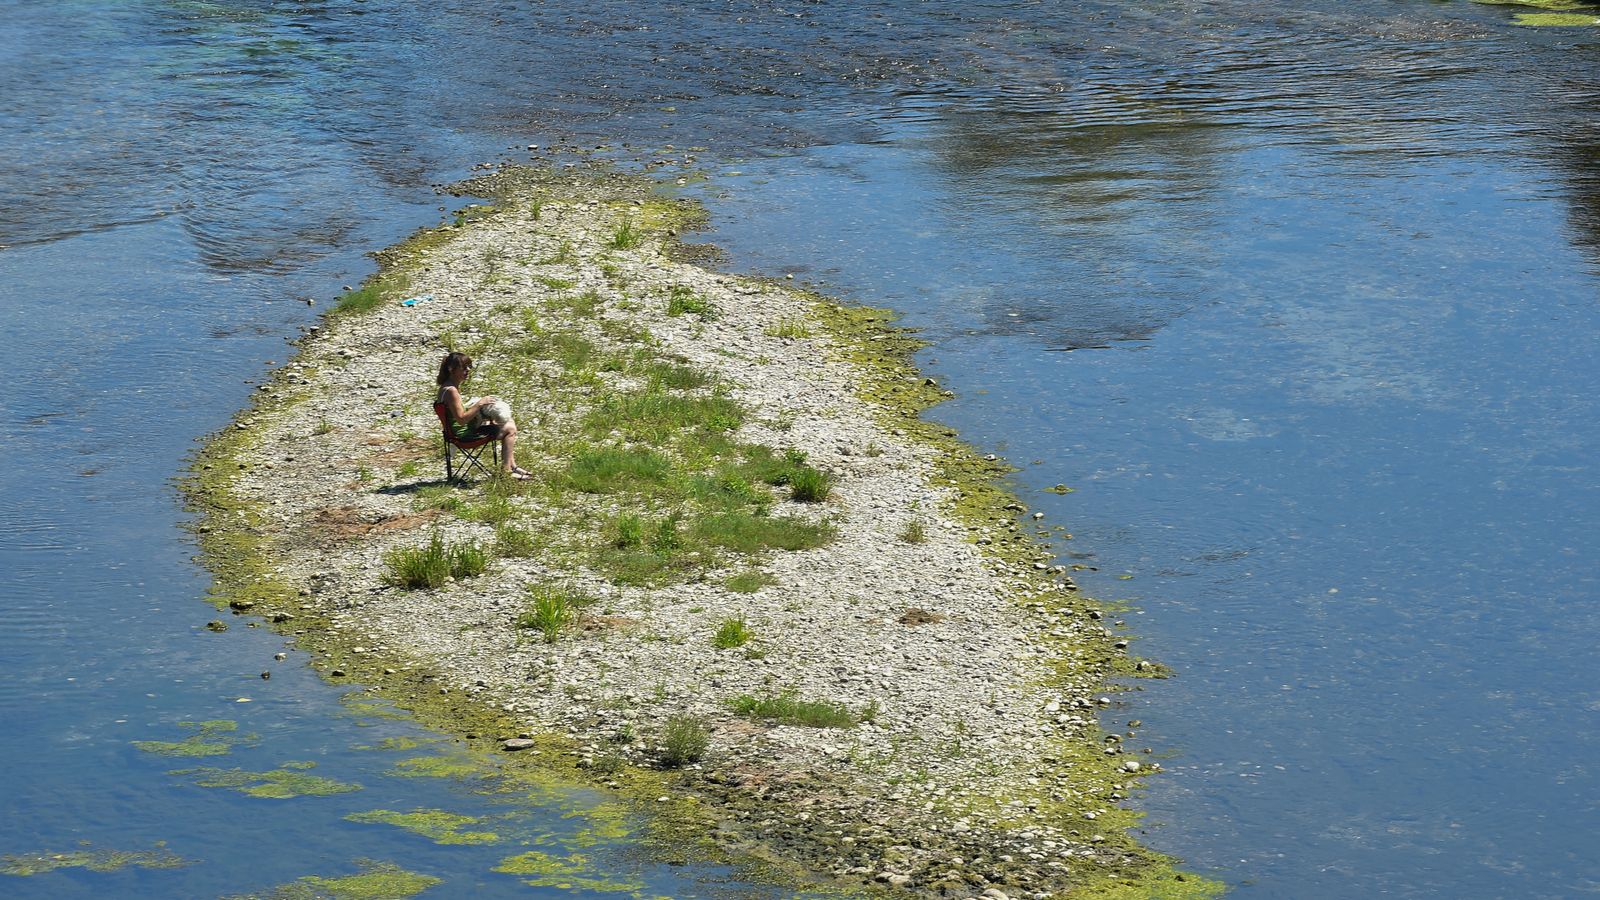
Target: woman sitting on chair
x=480 y=417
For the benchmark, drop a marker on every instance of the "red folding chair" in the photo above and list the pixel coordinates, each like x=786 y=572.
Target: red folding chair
x=470 y=447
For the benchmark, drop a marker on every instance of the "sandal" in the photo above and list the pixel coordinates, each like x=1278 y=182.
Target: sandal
x=521 y=474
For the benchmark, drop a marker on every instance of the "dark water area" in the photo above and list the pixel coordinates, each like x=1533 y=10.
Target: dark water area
x=1301 y=300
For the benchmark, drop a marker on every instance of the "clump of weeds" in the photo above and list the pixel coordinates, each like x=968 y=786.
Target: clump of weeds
x=683 y=741
x=732 y=633
x=428 y=566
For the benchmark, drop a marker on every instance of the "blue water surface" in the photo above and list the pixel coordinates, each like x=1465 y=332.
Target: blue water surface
x=1300 y=299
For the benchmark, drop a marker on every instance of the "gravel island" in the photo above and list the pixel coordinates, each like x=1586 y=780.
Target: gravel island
x=747 y=583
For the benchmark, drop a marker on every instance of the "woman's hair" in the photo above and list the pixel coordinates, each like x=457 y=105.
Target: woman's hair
x=454 y=361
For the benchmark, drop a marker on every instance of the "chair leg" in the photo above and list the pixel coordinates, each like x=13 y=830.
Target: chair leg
x=471 y=461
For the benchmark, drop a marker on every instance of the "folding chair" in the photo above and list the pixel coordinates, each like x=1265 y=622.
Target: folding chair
x=470 y=448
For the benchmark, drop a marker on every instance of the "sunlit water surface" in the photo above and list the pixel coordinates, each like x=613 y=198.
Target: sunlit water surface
x=1299 y=298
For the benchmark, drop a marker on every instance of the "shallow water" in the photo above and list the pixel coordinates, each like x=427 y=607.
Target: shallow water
x=1301 y=302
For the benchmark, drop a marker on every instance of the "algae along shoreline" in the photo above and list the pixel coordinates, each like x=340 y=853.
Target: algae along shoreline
x=748 y=586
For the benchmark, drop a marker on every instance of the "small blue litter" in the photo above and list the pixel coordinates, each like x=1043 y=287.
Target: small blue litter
x=413 y=301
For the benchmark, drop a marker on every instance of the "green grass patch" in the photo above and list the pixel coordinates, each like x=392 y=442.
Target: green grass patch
x=566 y=348
x=728 y=488
x=683 y=301
x=584 y=306
x=1541 y=4
x=468 y=560
x=638 y=567
x=746 y=532
x=788 y=709
x=564 y=254
x=641 y=552
x=366 y=298
x=667 y=373
x=655 y=414
x=491 y=510
x=516 y=543
x=914 y=532
x=607 y=470
x=767 y=465
x=438 y=496
x=748 y=582
x=626 y=332
x=732 y=633
x=1558 y=20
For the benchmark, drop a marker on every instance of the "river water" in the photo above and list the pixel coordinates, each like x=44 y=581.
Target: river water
x=1299 y=298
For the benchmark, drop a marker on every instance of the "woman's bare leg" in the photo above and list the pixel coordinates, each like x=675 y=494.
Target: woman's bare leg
x=508 y=446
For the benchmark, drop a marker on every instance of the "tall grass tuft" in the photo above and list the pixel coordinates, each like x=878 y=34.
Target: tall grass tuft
x=551 y=608
x=666 y=539
x=627 y=531
x=626 y=237
x=787 y=328
x=732 y=633
x=808 y=485
x=683 y=741
x=468 y=560
x=914 y=533
x=430 y=565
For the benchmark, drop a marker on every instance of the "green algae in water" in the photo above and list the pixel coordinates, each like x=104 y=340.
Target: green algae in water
x=396 y=744
x=359 y=704
x=1157 y=884
x=436 y=825
x=565 y=872
x=93 y=860
x=284 y=783
x=1559 y=20
x=608 y=823
x=440 y=767
x=375 y=881
x=211 y=738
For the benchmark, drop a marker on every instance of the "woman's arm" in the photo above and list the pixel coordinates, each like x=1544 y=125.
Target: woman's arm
x=451 y=398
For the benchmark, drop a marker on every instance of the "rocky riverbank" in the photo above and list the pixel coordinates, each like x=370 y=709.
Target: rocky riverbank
x=747 y=581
